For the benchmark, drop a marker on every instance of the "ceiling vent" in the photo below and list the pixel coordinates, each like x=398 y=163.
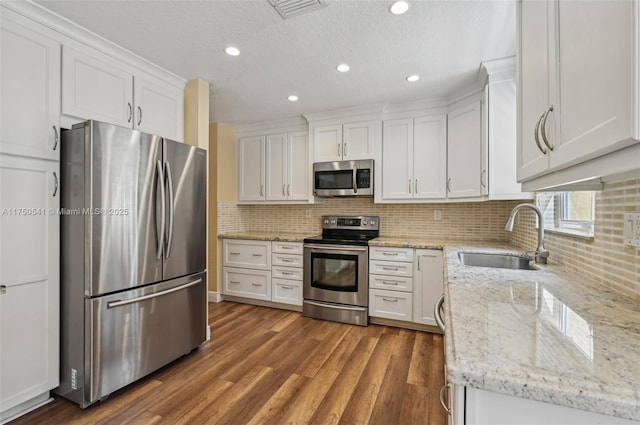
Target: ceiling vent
x=290 y=8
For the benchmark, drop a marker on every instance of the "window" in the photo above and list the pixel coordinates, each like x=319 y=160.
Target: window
x=568 y=212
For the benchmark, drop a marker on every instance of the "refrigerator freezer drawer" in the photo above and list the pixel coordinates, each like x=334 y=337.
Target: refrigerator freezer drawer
x=136 y=332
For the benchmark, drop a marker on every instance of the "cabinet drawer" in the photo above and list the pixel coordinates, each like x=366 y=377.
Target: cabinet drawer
x=287 y=247
x=292 y=273
x=391 y=268
x=391 y=283
x=247 y=283
x=247 y=254
x=286 y=260
x=391 y=254
x=287 y=291
x=390 y=304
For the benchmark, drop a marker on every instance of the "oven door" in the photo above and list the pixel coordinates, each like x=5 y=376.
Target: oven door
x=336 y=274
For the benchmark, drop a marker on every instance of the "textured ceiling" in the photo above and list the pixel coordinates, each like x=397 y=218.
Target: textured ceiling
x=442 y=41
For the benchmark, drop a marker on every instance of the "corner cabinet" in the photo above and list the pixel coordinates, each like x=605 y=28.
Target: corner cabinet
x=29 y=281
x=414 y=153
x=97 y=86
x=575 y=103
x=274 y=168
x=349 y=141
x=30 y=81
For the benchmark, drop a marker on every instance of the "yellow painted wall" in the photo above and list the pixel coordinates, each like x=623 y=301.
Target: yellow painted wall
x=222 y=156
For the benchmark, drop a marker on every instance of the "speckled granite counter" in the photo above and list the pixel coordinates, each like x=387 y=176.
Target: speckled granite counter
x=424 y=243
x=267 y=236
x=544 y=335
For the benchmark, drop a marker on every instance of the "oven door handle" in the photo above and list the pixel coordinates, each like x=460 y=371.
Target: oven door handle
x=336 y=307
x=328 y=247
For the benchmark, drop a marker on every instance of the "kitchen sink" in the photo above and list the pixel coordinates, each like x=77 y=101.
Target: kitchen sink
x=500 y=261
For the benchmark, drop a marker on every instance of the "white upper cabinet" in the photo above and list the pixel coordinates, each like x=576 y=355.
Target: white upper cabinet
x=251 y=177
x=30 y=84
x=576 y=102
x=352 y=141
x=274 y=167
x=97 y=86
x=465 y=151
x=414 y=158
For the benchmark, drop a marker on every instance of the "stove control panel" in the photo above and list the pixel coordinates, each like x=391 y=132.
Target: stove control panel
x=351 y=223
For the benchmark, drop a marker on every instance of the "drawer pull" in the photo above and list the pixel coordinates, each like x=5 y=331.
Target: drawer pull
x=256 y=284
x=234 y=253
x=395 y=269
x=287 y=273
x=256 y=255
x=393 y=300
x=286 y=260
x=235 y=282
x=287 y=287
x=389 y=283
x=390 y=253
x=287 y=247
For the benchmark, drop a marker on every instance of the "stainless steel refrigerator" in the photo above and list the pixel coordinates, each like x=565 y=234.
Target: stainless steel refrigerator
x=133 y=256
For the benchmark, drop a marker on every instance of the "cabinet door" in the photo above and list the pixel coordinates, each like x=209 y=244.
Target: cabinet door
x=595 y=83
x=397 y=159
x=430 y=157
x=428 y=284
x=298 y=166
x=159 y=107
x=535 y=66
x=30 y=82
x=327 y=143
x=465 y=151
x=276 y=167
x=357 y=140
x=95 y=86
x=251 y=169
x=29 y=270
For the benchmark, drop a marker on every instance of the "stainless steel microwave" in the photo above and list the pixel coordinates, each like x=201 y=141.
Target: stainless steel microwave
x=343 y=178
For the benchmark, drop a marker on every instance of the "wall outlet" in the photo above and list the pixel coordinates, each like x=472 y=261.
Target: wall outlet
x=437 y=215
x=307 y=213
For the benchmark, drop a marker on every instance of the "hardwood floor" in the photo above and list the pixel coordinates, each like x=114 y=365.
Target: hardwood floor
x=269 y=366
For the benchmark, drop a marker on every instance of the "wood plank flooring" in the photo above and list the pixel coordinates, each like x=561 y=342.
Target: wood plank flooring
x=266 y=366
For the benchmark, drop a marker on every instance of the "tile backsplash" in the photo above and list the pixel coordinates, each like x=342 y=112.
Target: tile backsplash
x=604 y=258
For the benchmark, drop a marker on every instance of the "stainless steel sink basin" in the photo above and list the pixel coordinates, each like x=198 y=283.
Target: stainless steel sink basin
x=500 y=261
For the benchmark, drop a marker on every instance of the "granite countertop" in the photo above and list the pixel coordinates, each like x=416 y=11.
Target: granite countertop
x=426 y=243
x=267 y=236
x=545 y=335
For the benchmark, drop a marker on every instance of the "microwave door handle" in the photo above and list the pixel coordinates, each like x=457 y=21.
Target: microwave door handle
x=355 y=183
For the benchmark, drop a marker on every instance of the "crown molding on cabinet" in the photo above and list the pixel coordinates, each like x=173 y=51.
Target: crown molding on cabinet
x=286 y=125
x=345 y=115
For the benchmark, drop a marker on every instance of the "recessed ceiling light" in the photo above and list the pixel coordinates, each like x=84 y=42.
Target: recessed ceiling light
x=413 y=78
x=232 y=51
x=293 y=98
x=343 y=67
x=399 y=7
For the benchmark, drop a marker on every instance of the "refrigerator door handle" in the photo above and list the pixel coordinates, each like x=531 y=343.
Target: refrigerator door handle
x=160 y=230
x=172 y=210
x=120 y=303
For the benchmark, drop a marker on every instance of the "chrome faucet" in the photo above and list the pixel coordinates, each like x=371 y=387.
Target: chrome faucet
x=541 y=253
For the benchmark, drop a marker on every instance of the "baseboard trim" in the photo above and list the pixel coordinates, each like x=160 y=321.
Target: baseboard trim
x=215 y=297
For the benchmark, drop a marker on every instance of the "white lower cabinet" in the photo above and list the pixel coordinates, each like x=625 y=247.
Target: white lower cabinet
x=428 y=279
x=483 y=407
x=29 y=281
x=394 y=305
x=263 y=270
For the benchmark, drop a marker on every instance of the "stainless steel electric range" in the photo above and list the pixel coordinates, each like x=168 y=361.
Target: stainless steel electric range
x=336 y=269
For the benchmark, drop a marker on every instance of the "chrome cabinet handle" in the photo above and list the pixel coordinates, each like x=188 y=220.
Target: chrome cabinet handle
x=482 y=183
x=390 y=253
x=287 y=273
x=449 y=185
x=287 y=287
x=130 y=107
x=256 y=255
x=261 y=190
x=437 y=313
x=160 y=232
x=286 y=260
x=120 y=303
x=416 y=186
x=55 y=140
x=3 y=289
x=139 y=115
x=288 y=190
x=284 y=192
x=386 y=282
x=344 y=149
x=536 y=137
x=234 y=253
x=235 y=282
x=419 y=262
x=390 y=268
x=543 y=129
x=172 y=210
x=339 y=146
x=256 y=284
x=409 y=185
x=355 y=183
x=55 y=189
x=444 y=404
x=393 y=300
